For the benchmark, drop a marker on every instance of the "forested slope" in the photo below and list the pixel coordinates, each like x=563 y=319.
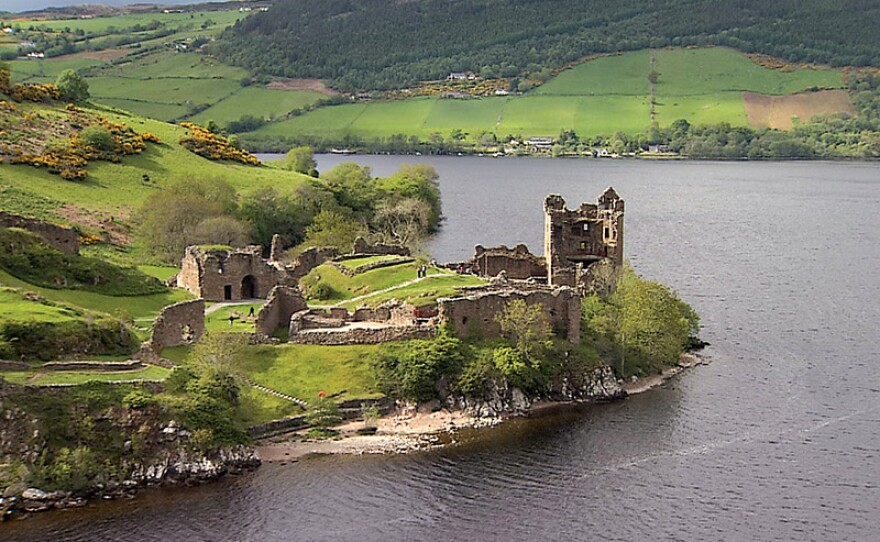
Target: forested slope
x=382 y=44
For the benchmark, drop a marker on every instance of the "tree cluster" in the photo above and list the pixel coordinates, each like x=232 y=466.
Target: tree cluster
x=343 y=204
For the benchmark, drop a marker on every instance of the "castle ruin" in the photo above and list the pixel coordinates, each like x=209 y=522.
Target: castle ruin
x=583 y=247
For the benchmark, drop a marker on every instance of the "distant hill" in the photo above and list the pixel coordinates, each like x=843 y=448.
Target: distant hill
x=384 y=44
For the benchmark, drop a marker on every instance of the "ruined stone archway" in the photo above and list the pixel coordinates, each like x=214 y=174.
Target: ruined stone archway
x=249 y=288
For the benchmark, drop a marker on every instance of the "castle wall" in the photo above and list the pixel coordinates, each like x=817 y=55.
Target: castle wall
x=229 y=275
x=517 y=263
x=179 y=324
x=477 y=312
x=282 y=303
x=59 y=237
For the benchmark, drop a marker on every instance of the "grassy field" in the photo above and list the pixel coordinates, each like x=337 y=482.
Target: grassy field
x=302 y=370
x=257 y=101
x=346 y=287
x=49 y=378
x=598 y=97
x=143 y=309
x=14 y=307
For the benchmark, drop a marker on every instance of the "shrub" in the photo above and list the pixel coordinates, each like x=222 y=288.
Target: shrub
x=411 y=370
x=98 y=137
x=323 y=412
x=138 y=399
x=322 y=291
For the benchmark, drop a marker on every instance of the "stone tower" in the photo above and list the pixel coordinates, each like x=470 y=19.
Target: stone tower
x=583 y=245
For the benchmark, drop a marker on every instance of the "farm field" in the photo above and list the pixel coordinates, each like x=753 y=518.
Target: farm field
x=144 y=72
x=598 y=97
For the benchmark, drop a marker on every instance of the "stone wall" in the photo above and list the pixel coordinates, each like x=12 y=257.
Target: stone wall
x=308 y=260
x=517 y=263
x=282 y=303
x=476 y=312
x=363 y=335
x=362 y=247
x=63 y=239
x=178 y=324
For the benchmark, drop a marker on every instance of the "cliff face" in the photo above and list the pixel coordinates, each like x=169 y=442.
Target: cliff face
x=503 y=399
x=116 y=448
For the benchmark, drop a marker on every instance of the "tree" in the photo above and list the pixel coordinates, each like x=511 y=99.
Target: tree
x=73 y=86
x=333 y=229
x=301 y=160
x=404 y=222
x=221 y=230
x=168 y=220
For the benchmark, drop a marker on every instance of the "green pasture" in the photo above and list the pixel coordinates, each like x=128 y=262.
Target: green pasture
x=687 y=72
x=120 y=23
x=153 y=110
x=258 y=102
x=598 y=97
x=27 y=70
x=703 y=109
x=168 y=64
x=625 y=74
x=165 y=90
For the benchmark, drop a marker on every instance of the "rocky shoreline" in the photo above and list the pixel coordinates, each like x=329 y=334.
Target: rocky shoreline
x=181 y=468
x=411 y=429
x=415 y=430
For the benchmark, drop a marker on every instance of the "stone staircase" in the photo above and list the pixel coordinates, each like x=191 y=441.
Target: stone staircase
x=302 y=404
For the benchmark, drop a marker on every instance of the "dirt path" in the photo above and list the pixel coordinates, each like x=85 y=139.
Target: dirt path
x=217 y=306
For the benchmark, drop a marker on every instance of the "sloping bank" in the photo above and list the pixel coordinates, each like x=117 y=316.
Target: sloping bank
x=61 y=446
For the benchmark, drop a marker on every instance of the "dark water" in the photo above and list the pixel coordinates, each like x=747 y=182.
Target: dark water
x=777 y=439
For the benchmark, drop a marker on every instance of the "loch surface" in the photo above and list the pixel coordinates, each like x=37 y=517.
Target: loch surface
x=777 y=439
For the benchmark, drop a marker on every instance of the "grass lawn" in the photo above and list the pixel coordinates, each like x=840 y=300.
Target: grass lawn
x=422 y=293
x=48 y=378
x=153 y=110
x=257 y=406
x=377 y=279
x=161 y=272
x=219 y=320
x=143 y=309
x=302 y=370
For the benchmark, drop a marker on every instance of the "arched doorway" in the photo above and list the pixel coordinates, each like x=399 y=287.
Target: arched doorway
x=249 y=287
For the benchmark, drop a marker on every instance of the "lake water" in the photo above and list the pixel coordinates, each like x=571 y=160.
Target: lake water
x=777 y=439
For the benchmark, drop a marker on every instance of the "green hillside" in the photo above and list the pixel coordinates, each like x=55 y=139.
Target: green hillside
x=598 y=97
x=388 y=44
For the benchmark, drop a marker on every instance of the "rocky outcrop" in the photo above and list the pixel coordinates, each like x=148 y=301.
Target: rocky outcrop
x=502 y=399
